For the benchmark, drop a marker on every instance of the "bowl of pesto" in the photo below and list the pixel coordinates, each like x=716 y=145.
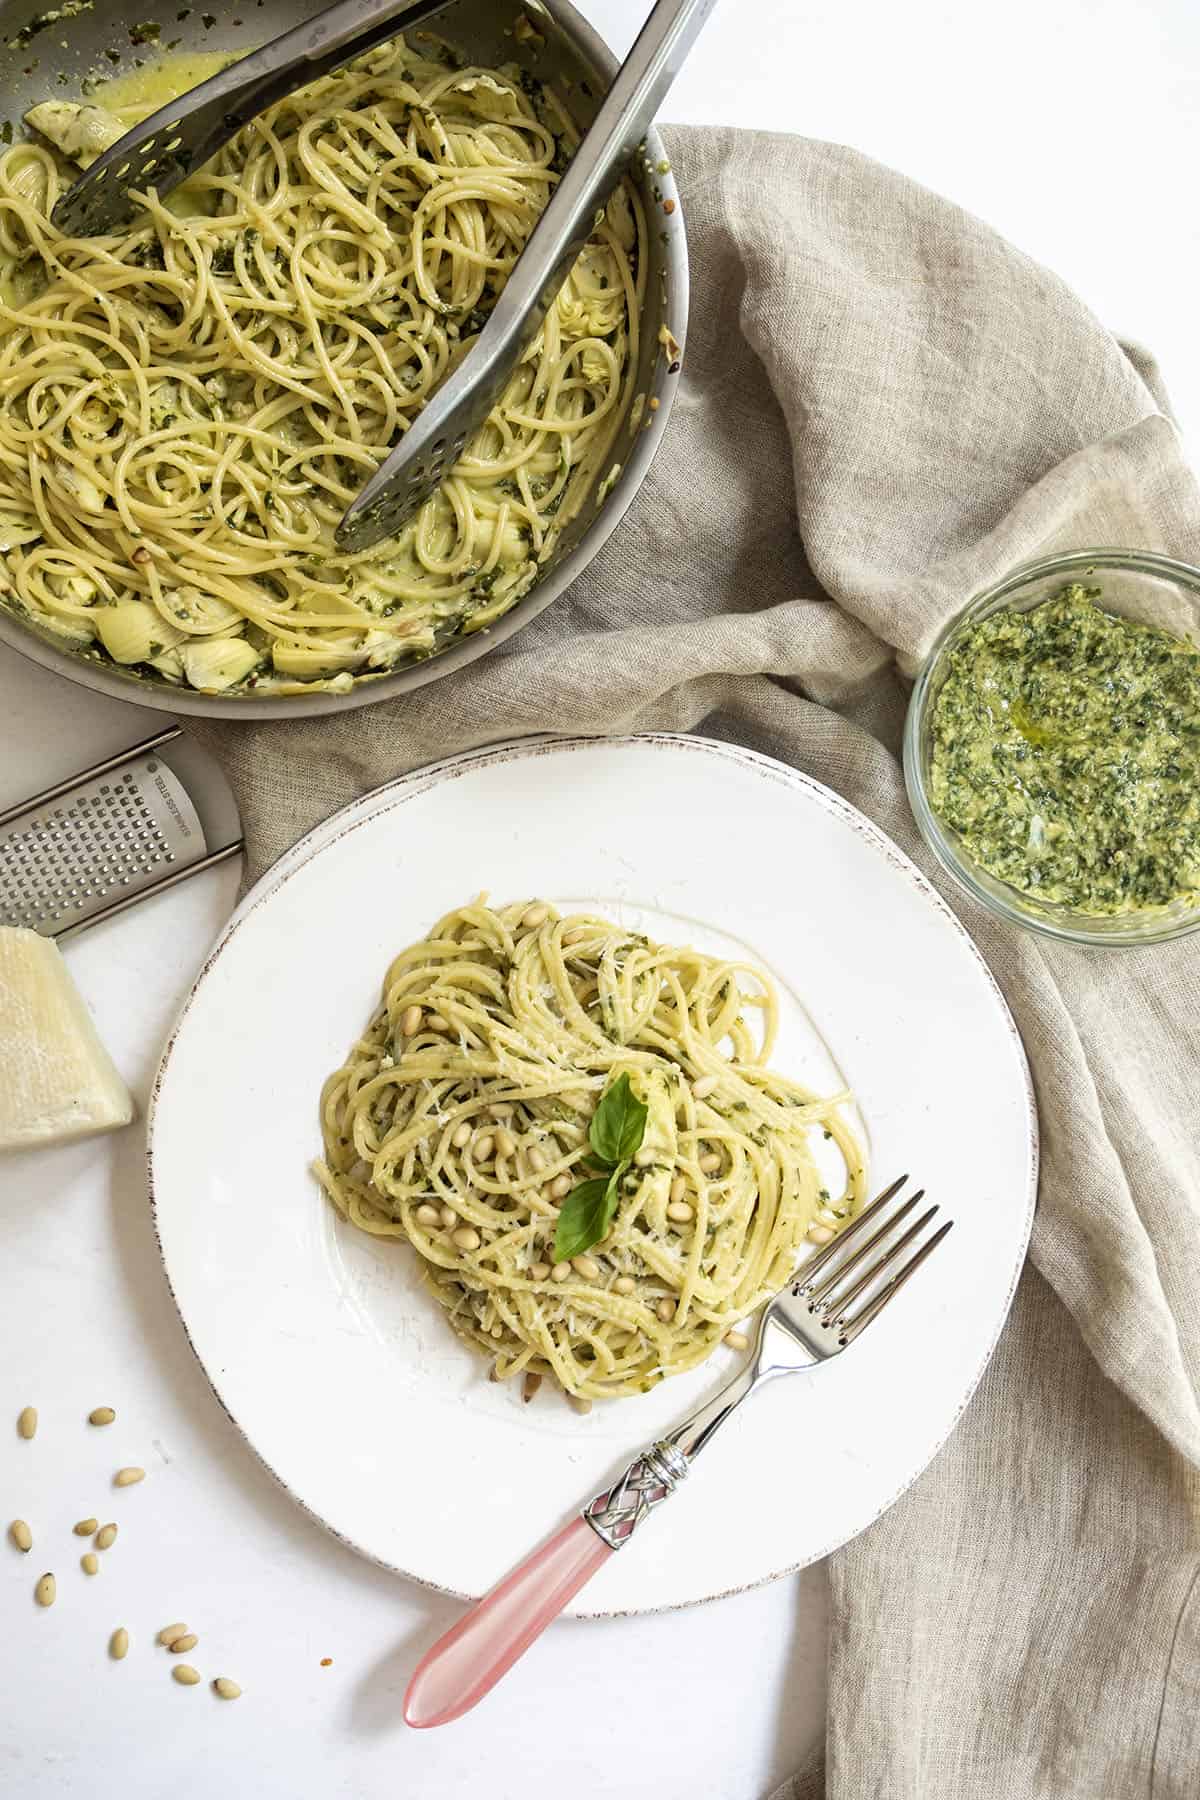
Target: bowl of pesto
x=1052 y=747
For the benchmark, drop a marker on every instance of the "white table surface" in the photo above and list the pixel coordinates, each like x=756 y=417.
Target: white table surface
x=1074 y=134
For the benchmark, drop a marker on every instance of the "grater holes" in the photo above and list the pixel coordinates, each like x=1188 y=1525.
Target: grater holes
x=77 y=854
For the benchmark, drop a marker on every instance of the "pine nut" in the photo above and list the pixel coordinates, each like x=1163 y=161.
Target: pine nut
x=679 y=1211
x=536 y=915
x=818 y=1234
x=228 y=1690
x=102 y=1415
x=624 y=1284
x=570 y=938
x=560 y=1271
x=579 y=1403
x=530 y=1385
x=90 y=1563
x=118 y=1644
x=428 y=1215
x=484 y=1147
x=704 y=1087
x=666 y=1311
x=21 y=1535
x=737 y=1340
x=410 y=1021
x=536 y=1160
x=587 y=1266
x=828 y=1217
x=506 y=1143
x=466 y=1238
x=169 y=1633
x=86 y=1527
x=437 y=1022
x=538 y=1271
x=560 y=1187
x=710 y=1164
x=461 y=1136
x=184 y=1674
x=141 y=556
x=187 y=1642
x=128 y=1477
x=45 y=1591
x=449 y=1218
x=27 y=1421
x=106 y=1537
x=678 y=1188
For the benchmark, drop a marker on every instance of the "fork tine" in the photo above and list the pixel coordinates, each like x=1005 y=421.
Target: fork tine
x=814 y=1264
x=877 y=1267
x=873 y=1308
x=846 y=1264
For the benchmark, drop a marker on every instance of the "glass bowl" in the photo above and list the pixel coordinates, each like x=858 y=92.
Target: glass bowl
x=1138 y=584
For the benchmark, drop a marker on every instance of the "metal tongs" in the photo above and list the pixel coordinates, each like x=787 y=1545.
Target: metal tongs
x=180 y=138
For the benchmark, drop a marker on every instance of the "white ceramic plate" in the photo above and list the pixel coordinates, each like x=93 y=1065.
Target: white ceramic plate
x=320 y=1341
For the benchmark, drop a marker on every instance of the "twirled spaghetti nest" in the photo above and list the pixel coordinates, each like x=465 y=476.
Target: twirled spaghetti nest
x=461 y=1119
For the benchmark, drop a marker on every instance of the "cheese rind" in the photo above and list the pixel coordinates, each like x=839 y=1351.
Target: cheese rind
x=57 y=1080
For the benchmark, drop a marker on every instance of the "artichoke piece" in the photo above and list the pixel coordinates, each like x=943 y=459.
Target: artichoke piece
x=310 y=661
x=85 y=492
x=373 y=649
x=133 y=632
x=490 y=98
x=81 y=132
x=25 y=172
x=199 y=612
x=169 y=665
x=218 y=663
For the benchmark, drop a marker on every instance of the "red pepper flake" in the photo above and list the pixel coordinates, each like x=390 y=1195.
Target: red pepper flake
x=325 y=1661
x=668 y=206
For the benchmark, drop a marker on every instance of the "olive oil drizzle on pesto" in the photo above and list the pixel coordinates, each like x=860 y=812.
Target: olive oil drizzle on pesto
x=1066 y=755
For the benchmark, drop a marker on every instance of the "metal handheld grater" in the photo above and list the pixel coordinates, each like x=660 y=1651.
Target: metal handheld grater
x=130 y=827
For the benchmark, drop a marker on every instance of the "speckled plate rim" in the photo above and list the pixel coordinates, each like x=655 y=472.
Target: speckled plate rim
x=399 y=793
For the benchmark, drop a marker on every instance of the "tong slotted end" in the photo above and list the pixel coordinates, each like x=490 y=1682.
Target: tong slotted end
x=181 y=137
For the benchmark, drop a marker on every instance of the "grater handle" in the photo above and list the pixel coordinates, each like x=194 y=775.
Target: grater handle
x=102 y=768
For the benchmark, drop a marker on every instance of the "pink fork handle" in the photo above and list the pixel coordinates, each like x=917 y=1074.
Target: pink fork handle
x=469 y=1660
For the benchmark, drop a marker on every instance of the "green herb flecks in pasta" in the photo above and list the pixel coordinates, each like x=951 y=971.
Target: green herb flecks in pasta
x=579 y=1133
x=188 y=406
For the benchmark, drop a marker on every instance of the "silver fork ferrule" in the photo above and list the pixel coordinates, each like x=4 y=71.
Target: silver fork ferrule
x=616 y=1514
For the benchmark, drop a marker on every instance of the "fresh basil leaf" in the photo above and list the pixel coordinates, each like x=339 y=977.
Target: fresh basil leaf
x=587 y=1212
x=618 y=1123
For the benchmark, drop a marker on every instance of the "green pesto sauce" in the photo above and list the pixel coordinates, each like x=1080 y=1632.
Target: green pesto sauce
x=1066 y=755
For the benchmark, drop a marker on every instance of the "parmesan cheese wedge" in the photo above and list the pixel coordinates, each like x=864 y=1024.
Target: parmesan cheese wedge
x=56 y=1078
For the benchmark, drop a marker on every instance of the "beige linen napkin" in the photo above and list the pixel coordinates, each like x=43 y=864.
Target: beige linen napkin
x=883 y=407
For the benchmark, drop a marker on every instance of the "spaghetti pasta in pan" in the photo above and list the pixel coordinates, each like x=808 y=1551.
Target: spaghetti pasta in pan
x=187 y=408
x=578 y=1132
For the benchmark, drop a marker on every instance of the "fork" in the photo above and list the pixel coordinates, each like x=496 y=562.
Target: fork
x=836 y=1294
